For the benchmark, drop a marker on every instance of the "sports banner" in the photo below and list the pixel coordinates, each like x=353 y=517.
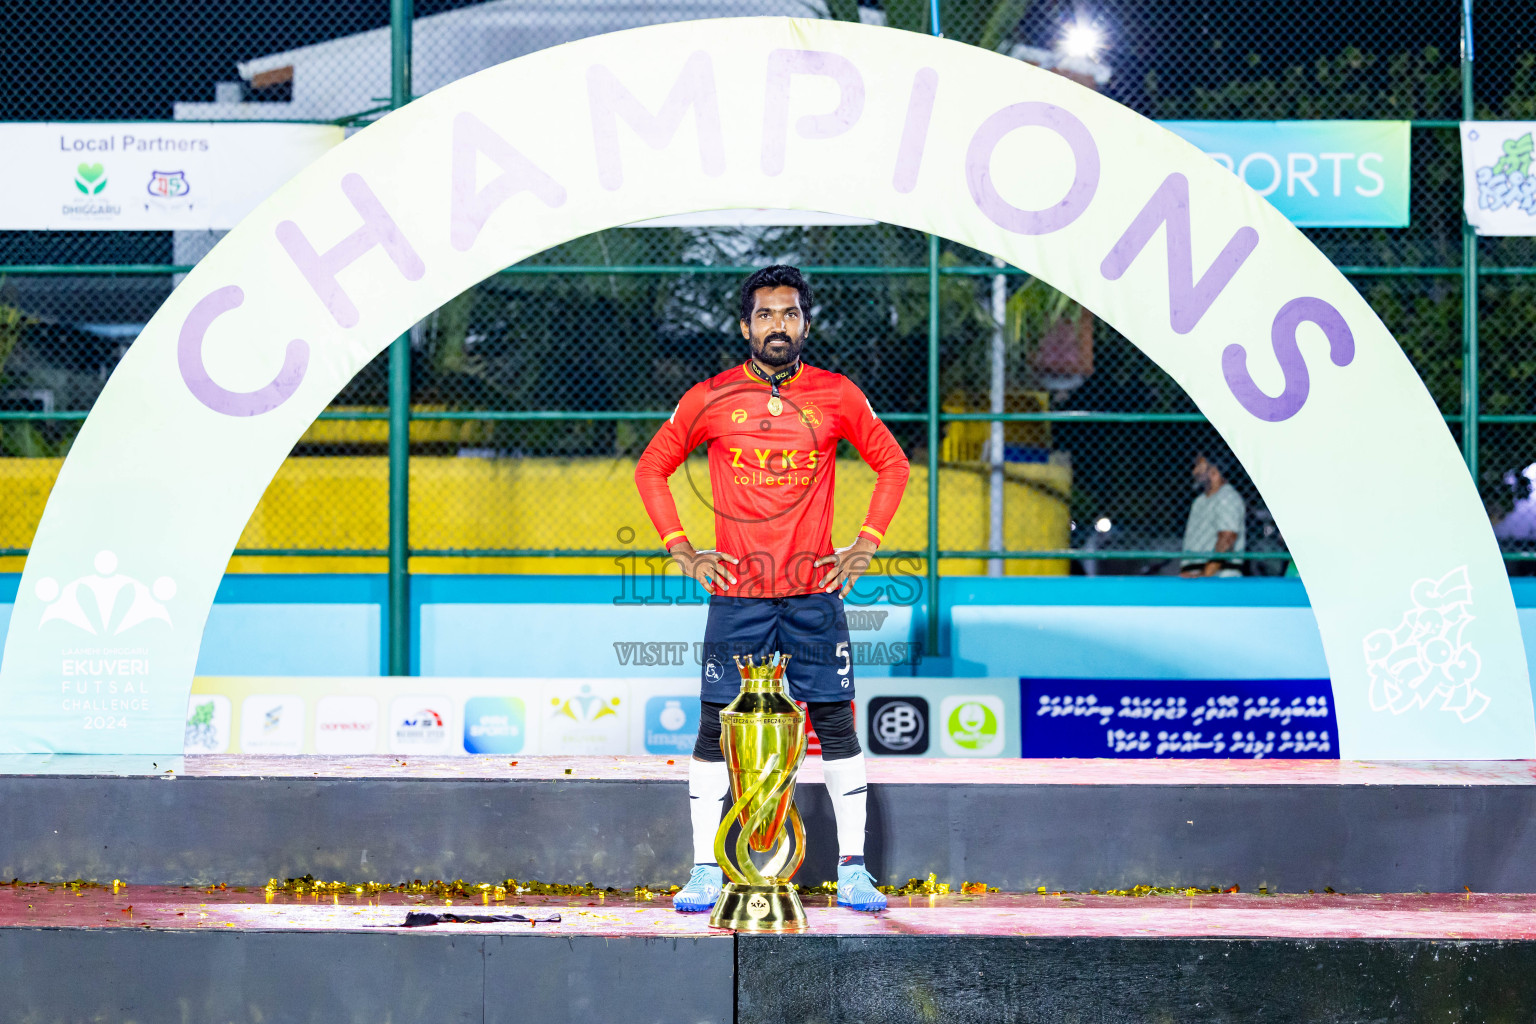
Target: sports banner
x=1317 y=173
x=931 y=717
x=521 y=717
x=149 y=175
x=1498 y=163
x=1265 y=335
x=1244 y=718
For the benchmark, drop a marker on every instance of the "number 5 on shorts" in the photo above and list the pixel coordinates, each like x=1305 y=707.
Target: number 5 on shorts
x=842 y=652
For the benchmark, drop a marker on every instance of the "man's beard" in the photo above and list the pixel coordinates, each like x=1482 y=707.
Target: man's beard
x=780 y=358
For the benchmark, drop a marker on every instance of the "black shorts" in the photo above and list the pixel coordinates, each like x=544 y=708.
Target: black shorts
x=810 y=628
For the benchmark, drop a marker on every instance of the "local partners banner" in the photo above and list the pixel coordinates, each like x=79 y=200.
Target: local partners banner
x=1317 y=173
x=148 y=176
x=1499 y=186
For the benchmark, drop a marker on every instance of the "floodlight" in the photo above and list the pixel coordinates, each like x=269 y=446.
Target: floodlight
x=1081 y=39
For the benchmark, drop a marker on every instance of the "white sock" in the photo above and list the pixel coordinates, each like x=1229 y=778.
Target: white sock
x=848 y=787
x=708 y=786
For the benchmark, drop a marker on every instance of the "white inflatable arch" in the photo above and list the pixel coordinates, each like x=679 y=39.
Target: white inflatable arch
x=1266 y=336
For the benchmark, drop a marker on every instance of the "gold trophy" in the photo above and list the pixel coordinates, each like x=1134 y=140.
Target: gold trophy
x=762 y=734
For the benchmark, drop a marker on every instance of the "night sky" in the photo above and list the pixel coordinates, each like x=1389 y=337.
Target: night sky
x=88 y=59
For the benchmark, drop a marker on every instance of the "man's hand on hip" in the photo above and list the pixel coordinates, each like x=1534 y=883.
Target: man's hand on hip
x=708 y=567
x=848 y=564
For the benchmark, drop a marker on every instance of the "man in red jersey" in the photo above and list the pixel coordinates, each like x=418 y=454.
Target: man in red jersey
x=775 y=581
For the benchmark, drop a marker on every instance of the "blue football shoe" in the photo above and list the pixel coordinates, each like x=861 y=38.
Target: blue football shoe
x=856 y=889
x=702 y=890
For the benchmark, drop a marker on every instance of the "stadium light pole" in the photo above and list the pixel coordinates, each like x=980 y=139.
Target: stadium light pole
x=400 y=16
x=1077 y=47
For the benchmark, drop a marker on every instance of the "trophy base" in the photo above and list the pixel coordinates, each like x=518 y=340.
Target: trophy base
x=758 y=908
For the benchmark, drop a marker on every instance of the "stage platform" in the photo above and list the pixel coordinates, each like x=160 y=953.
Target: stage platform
x=172 y=953
x=1014 y=824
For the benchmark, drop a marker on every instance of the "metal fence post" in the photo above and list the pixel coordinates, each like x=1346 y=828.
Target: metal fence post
x=931 y=645
x=400 y=18
x=1470 y=406
x=931 y=641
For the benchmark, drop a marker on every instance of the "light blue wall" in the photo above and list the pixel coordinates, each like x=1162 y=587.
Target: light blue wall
x=585 y=639
x=1137 y=642
x=566 y=626
x=291 y=640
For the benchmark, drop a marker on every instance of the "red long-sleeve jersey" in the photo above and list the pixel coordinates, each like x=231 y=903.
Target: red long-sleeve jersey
x=772 y=476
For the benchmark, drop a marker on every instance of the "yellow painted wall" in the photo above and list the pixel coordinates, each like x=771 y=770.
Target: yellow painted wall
x=553 y=503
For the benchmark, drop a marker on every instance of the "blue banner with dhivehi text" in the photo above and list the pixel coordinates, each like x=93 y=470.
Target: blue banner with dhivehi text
x=1317 y=173
x=1182 y=718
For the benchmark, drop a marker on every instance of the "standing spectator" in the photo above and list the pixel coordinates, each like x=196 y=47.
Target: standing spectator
x=1516 y=530
x=1215 y=521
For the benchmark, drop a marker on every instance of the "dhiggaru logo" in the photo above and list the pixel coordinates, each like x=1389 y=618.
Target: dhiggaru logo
x=90 y=179
x=104 y=588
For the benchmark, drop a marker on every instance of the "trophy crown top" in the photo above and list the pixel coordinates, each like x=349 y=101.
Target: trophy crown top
x=765 y=675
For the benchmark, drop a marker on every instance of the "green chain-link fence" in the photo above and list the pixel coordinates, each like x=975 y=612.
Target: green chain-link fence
x=531 y=395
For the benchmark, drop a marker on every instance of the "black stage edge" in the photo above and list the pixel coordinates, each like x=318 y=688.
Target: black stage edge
x=923 y=979
x=245 y=830
x=70 y=975
x=66 y=976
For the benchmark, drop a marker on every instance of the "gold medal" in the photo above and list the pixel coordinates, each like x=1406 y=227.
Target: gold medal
x=775 y=406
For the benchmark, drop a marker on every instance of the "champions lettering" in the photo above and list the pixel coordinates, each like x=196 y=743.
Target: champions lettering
x=693 y=98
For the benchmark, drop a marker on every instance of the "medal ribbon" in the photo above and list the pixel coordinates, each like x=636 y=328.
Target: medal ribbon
x=777 y=379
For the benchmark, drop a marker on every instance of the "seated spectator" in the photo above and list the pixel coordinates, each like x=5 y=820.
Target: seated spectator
x=1215 y=522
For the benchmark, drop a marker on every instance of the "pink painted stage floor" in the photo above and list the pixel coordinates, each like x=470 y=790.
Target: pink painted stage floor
x=930 y=771
x=1227 y=915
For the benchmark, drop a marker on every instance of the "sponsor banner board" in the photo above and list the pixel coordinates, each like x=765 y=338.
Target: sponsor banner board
x=1283 y=718
x=665 y=716
x=346 y=724
x=208 y=723
x=898 y=726
x=1317 y=173
x=520 y=717
x=272 y=723
x=585 y=716
x=1498 y=162
x=422 y=723
x=922 y=717
x=495 y=725
x=148 y=175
